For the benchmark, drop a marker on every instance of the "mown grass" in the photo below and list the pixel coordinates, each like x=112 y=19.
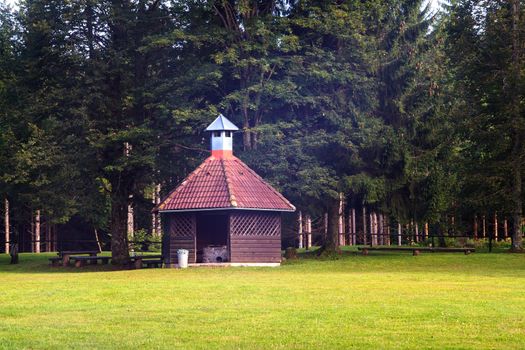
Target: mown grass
x=385 y=300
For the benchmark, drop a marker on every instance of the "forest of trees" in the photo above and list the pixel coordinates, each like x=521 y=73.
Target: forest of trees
x=417 y=114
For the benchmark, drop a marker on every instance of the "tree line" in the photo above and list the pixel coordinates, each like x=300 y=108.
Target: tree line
x=418 y=115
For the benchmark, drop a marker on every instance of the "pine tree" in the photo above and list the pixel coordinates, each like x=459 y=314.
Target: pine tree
x=484 y=42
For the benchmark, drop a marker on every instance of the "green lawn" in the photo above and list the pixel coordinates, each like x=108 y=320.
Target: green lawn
x=380 y=301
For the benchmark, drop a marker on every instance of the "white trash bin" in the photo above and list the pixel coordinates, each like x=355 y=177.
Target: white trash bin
x=182 y=256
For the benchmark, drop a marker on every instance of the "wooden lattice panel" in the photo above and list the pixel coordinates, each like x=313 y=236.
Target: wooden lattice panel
x=183 y=226
x=255 y=224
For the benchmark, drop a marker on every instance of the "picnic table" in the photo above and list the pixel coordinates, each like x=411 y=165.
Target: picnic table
x=149 y=260
x=418 y=250
x=65 y=255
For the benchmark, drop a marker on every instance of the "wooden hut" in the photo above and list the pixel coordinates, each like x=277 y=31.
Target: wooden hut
x=223 y=211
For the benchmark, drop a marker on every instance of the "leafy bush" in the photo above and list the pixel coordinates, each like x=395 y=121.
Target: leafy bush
x=142 y=241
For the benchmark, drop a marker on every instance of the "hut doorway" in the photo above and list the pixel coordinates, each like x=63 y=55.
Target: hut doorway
x=212 y=238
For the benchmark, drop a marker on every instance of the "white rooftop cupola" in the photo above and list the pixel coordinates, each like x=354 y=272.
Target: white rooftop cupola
x=222 y=137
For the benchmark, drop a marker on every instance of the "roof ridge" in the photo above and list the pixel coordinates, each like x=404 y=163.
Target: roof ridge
x=182 y=184
x=264 y=182
x=231 y=195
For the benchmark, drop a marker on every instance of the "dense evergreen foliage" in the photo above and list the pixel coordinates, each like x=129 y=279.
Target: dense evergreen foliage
x=415 y=114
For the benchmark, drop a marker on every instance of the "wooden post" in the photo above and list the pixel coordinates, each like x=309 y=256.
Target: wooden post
x=354 y=228
x=398 y=234
x=37 y=231
x=426 y=230
x=475 y=227
x=300 y=233
x=484 y=224
x=6 y=225
x=364 y=226
x=505 y=228
x=496 y=225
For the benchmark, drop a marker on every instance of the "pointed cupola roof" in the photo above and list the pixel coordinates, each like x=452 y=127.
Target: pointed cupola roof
x=221 y=123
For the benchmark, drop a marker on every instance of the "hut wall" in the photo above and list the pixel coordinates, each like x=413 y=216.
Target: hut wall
x=182 y=232
x=255 y=237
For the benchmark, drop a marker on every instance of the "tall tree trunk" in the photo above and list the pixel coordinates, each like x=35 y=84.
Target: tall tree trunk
x=332 y=238
x=308 y=232
x=475 y=227
x=341 y=220
x=300 y=230
x=380 y=230
x=364 y=226
x=354 y=228
x=484 y=226
x=505 y=228
x=325 y=228
x=6 y=225
x=246 y=135
x=118 y=228
x=37 y=231
x=496 y=226
x=517 y=149
x=399 y=234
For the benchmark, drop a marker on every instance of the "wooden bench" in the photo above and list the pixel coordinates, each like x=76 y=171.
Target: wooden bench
x=82 y=260
x=418 y=250
x=65 y=255
x=148 y=260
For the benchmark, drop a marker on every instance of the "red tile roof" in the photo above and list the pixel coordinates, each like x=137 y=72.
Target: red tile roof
x=224 y=183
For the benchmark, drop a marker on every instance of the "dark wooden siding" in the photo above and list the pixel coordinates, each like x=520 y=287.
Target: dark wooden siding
x=255 y=237
x=182 y=230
